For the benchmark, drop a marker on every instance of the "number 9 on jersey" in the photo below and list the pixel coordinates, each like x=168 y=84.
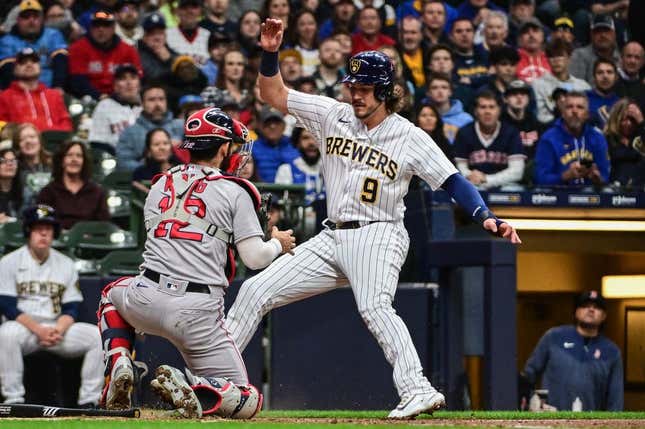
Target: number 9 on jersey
x=369 y=193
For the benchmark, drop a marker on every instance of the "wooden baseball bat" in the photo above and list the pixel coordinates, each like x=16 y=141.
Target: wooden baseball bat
x=31 y=410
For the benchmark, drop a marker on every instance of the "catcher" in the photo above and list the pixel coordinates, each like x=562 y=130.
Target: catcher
x=195 y=217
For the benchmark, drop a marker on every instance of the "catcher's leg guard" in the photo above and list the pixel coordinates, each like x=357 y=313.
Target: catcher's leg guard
x=117 y=337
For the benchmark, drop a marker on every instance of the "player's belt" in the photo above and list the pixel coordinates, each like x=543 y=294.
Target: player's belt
x=190 y=287
x=354 y=224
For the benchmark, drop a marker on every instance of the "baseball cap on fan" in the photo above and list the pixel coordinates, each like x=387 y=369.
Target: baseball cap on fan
x=102 y=16
x=268 y=113
x=602 y=22
x=25 y=53
x=26 y=5
x=153 y=21
x=591 y=296
x=122 y=69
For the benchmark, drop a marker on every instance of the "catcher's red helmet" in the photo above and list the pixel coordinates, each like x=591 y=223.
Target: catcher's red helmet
x=207 y=128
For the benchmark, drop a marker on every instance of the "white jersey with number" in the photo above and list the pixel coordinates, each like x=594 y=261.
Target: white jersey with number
x=41 y=289
x=186 y=251
x=367 y=172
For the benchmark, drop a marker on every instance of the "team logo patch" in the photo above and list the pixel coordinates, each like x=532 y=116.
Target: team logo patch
x=354 y=65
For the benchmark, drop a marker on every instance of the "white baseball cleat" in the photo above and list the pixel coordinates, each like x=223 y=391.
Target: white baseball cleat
x=413 y=405
x=171 y=385
x=119 y=391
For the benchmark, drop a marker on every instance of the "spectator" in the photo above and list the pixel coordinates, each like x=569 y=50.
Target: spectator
x=413 y=62
x=273 y=148
x=627 y=164
x=155 y=114
x=632 y=61
x=533 y=62
x=305 y=169
x=572 y=152
x=277 y=9
x=387 y=15
x=603 y=94
x=617 y=9
x=563 y=29
x=290 y=61
x=40 y=297
x=59 y=17
x=368 y=36
x=216 y=18
x=417 y=8
x=156 y=56
x=558 y=53
x=185 y=77
x=248 y=35
x=603 y=45
x=503 y=62
x=429 y=120
x=471 y=64
x=341 y=19
x=114 y=114
x=520 y=11
x=231 y=77
x=495 y=31
x=29 y=32
x=218 y=44
x=93 y=58
x=578 y=362
x=157 y=158
x=488 y=152
x=476 y=10
x=329 y=72
x=127 y=21
x=304 y=40
x=72 y=193
x=344 y=37
x=10 y=186
x=451 y=111
x=34 y=162
x=442 y=62
x=28 y=100
x=434 y=17
x=518 y=114
x=188 y=38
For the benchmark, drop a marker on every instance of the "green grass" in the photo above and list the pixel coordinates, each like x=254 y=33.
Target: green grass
x=359 y=419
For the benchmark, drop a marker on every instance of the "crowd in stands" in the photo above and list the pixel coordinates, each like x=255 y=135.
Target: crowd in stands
x=515 y=92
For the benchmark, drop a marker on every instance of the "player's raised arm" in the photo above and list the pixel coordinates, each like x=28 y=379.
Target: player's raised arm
x=272 y=88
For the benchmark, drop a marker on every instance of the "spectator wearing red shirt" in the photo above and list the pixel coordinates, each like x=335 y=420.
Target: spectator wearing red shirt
x=533 y=62
x=369 y=36
x=28 y=100
x=93 y=58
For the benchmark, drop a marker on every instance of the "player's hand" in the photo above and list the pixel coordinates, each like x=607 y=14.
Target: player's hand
x=45 y=334
x=286 y=239
x=271 y=35
x=505 y=230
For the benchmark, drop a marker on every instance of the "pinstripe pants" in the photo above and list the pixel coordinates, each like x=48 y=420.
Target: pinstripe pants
x=369 y=259
x=80 y=339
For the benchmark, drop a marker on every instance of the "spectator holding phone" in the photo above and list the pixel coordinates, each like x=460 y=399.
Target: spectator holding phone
x=572 y=152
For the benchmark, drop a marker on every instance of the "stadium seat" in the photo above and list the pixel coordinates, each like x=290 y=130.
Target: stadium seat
x=119 y=181
x=120 y=263
x=95 y=239
x=54 y=139
x=103 y=162
x=12 y=237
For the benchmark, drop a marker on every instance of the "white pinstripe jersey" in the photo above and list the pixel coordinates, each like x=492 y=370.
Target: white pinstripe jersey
x=41 y=289
x=367 y=172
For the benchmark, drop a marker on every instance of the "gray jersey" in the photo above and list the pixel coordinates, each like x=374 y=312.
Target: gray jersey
x=367 y=172
x=185 y=251
x=41 y=289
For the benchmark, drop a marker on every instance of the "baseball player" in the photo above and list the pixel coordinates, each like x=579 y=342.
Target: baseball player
x=194 y=216
x=369 y=154
x=39 y=296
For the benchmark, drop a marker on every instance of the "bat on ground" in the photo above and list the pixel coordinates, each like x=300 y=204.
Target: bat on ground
x=30 y=410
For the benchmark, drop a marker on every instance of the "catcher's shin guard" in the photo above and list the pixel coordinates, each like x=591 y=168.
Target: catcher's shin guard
x=116 y=332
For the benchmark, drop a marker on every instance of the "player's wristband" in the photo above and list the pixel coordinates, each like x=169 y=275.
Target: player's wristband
x=482 y=213
x=269 y=64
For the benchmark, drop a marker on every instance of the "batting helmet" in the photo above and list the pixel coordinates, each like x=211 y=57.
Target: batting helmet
x=41 y=213
x=207 y=128
x=372 y=68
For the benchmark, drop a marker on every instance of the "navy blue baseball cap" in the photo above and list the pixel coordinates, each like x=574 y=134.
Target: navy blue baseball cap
x=591 y=296
x=153 y=21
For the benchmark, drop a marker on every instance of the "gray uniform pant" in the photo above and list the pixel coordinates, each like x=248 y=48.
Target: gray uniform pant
x=192 y=322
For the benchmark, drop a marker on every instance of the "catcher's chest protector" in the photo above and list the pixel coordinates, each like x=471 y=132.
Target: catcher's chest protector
x=181 y=189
